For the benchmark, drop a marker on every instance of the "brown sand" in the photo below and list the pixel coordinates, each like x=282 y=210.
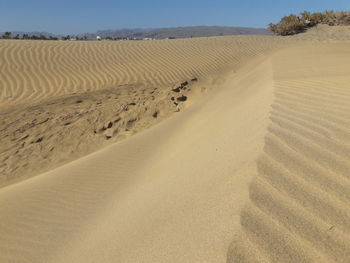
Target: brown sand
x=255 y=171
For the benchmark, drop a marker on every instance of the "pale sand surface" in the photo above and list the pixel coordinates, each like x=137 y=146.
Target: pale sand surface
x=62 y=100
x=172 y=192
x=298 y=207
x=257 y=170
x=34 y=70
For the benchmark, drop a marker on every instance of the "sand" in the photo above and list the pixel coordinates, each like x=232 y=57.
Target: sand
x=32 y=71
x=252 y=168
x=299 y=202
x=61 y=100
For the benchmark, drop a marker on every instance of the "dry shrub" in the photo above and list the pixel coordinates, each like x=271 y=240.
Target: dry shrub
x=289 y=25
x=293 y=24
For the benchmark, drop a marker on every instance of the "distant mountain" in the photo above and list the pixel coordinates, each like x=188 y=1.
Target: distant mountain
x=203 y=31
x=122 y=33
x=159 y=33
x=181 y=32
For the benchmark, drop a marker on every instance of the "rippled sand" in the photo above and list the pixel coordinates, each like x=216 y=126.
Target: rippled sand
x=240 y=150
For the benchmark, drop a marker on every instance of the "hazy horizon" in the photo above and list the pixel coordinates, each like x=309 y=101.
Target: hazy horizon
x=65 y=17
x=120 y=29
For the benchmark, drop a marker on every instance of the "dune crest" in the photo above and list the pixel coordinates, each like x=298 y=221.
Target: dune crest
x=60 y=101
x=175 y=186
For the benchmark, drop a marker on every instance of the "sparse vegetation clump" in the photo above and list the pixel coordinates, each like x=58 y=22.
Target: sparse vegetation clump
x=294 y=24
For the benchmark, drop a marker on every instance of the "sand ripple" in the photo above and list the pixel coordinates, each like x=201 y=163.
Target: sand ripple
x=299 y=202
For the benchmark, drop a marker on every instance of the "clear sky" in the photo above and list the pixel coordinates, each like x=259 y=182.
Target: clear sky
x=79 y=16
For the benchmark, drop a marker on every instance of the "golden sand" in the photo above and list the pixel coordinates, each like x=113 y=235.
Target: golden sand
x=252 y=167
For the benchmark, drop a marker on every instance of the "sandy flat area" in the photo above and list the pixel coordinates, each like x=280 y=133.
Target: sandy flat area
x=241 y=154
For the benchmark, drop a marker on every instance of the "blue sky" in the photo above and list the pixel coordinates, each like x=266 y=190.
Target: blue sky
x=78 y=16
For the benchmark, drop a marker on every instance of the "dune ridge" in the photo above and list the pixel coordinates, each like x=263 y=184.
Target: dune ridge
x=63 y=100
x=152 y=196
x=298 y=209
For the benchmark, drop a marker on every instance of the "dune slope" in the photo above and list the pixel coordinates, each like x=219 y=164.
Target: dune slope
x=299 y=202
x=172 y=192
x=62 y=100
x=255 y=171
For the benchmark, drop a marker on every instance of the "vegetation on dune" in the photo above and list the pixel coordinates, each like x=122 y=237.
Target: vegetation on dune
x=294 y=24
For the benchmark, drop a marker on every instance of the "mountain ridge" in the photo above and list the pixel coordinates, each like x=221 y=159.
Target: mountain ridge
x=156 y=33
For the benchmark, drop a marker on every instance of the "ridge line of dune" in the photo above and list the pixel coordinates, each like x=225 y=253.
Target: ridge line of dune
x=86 y=78
x=102 y=206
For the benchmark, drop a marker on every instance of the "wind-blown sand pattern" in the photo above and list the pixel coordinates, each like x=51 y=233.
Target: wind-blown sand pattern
x=299 y=202
x=34 y=70
x=256 y=170
x=63 y=100
x=149 y=197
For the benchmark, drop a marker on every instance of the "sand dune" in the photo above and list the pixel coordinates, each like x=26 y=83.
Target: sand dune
x=257 y=170
x=325 y=33
x=298 y=209
x=149 y=197
x=34 y=70
x=63 y=100
x=43 y=136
